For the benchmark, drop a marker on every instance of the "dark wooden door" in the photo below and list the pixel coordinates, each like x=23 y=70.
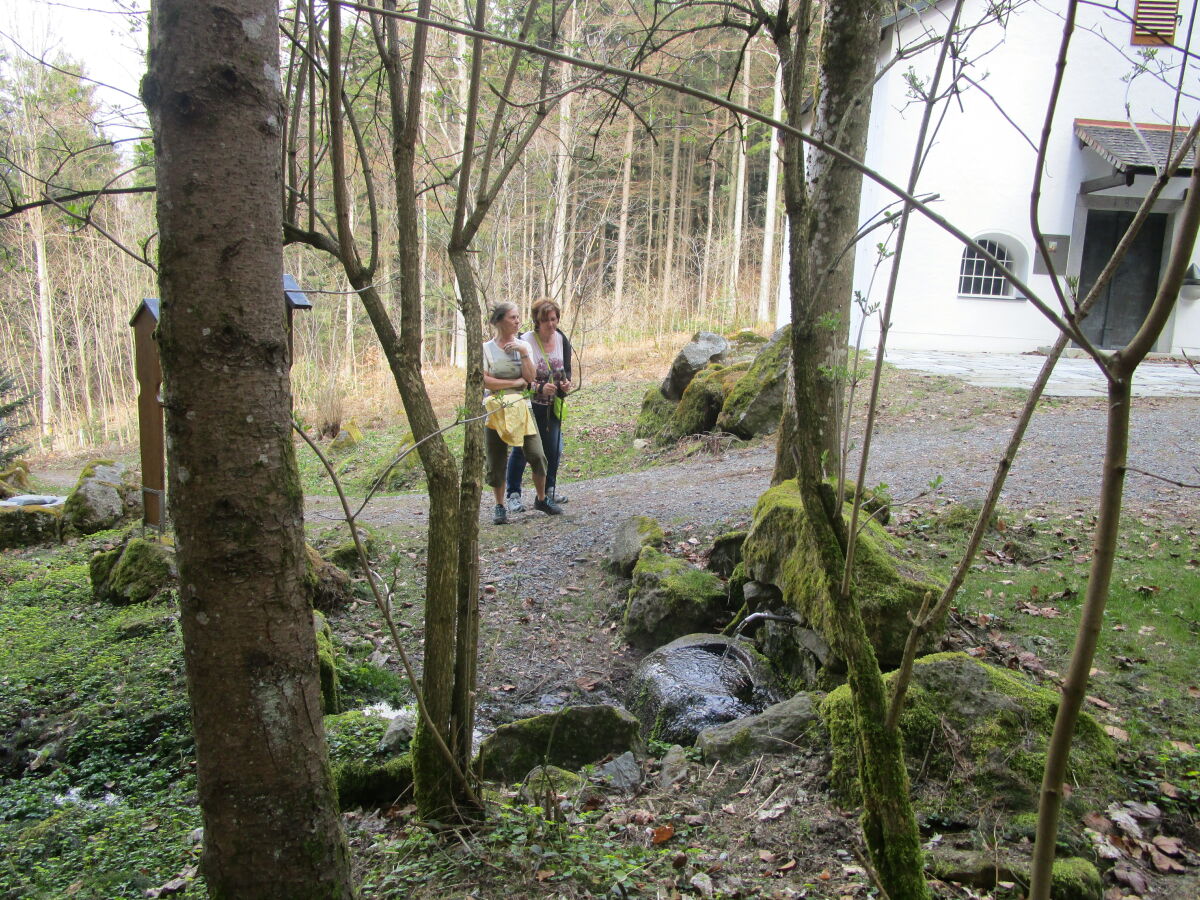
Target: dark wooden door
x=1122 y=306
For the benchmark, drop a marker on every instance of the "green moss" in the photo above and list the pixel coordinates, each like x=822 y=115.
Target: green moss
x=655 y=414
x=746 y=336
x=326 y=663
x=650 y=532
x=1075 y=878
x=400 y=470
x=345 y=554
x=764 y=376
x=978 y=730
x=142 y=571
x=570 y=738
x=24 y=526
x=669 y=598
x=783 y=548
x=363 y=783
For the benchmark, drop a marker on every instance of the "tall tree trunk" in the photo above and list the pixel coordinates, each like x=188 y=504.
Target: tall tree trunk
x=271 y=824
x=559 y=261
x=739 y=199
x=47 y=357
x=668 y=277
x=767 y=273
x=623 y=222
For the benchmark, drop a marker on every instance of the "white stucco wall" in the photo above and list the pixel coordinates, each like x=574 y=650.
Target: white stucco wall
x=981 y=166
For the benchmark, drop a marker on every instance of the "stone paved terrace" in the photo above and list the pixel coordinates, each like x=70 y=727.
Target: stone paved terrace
x=1073 y=377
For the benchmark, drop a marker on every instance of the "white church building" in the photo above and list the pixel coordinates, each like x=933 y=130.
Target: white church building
x=1110 y=134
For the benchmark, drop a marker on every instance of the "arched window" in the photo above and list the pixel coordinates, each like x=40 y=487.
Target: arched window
x=977 y=277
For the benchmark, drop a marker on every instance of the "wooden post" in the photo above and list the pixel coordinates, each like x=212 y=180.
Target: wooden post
x=150 y=413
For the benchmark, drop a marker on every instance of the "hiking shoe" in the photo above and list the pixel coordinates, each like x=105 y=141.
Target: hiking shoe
x=553 y=494
x=499 y=515
x=514 y=504
x=548 y=506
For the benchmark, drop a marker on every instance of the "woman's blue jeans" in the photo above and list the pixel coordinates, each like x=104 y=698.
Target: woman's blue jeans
x=550 y=430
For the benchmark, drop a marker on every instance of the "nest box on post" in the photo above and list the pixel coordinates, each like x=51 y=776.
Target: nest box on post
x=148 y=370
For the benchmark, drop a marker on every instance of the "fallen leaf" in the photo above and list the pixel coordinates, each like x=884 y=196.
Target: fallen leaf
x=1132 y=879
x=729 y=809
x=766 y=856
x=641 y=816
x=1183 y=746
x=1117 y=734
x=1168 y=845
x=1143 y=810
x=1096 y=701
x=824 y=876
x=587 y=684
x=1194 y=692
x=662 y=834
x=508 y=687
x=787 y=866
x=543 y=874
x=679 y=860
x=1125 y=822
x=1164 y=863
x=1168 y=790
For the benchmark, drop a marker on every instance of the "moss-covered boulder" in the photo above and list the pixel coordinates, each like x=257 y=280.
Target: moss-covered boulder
x=362 y=774
x=349 y=437
x=780 y=728
x=726 y=552
x=14 y=479
x=326 y=664
x=547 y=786
x=105 y=494
x=572 y=737
x=628 y=540
x=401 y=470
x=655 y=414
x=670 y=598
x=1075 y=878
x=702 y=401
x=329 y=588
x=696 y=682
x=755 y=403
x=782 y=550
x=24 y=525
x=975 y=739
x=746 y=339
x=704 y=348
x=138 y=571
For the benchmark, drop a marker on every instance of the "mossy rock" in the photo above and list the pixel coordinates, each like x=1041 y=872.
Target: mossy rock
x=362 y=775
x=328 y=587
x=105 y=494
x=726 y=552
x=406 y=471
x=26 y=526
x=755 y=403
x=546 y=785
x=139 y=571
x=1075 y=878
x=746 y=337
x=670 y=598
x=14 y=479
x=655 y=414
x=347 y=439
x=704 y=348
x=326 y=664
x=570 y=738
x=701 y=403
x=975 y=739
x=782 y=549
x=628 y=540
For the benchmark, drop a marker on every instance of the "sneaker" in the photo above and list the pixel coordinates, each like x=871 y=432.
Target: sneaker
x=555 y=495
x=548 y=506
x=499 y=516
x=514 y=504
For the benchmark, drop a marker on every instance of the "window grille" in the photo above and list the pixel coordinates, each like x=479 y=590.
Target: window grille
x=1154 y=22
x=977 y=277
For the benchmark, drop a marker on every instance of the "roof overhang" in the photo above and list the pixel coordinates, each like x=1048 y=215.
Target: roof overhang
x=1134 y=148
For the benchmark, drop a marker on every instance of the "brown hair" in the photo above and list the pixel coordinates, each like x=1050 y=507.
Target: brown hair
x=540 y=307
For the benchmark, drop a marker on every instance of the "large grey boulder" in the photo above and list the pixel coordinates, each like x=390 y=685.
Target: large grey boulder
x=628 y=540
x=704 y=348
x=669 y=598
x=697 y=682
x=572 y=737
x=777 y=729
x=106 y=494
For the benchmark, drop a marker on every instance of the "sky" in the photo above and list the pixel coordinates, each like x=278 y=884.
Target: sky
x=96 y=33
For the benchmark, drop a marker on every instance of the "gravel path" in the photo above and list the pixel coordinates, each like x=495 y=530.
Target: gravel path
x=1057 y=468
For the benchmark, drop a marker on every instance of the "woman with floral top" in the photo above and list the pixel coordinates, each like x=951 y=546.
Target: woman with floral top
x=552 y=359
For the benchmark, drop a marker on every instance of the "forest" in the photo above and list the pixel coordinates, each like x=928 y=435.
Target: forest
x=291 y=692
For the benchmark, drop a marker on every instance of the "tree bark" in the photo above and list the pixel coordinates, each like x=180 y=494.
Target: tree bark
x=767 y=272
x=623 y=226
x=271 y=826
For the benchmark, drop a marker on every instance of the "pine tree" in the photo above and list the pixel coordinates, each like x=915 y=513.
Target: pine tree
x=8 y=428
